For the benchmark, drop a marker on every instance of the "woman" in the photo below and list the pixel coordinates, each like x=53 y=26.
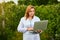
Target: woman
x=26 y=25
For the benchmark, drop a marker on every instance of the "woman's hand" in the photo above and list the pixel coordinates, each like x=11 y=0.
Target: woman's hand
x=39 y=31
x=30 y=28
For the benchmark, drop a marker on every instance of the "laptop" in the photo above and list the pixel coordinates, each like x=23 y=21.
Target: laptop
x=40 y=25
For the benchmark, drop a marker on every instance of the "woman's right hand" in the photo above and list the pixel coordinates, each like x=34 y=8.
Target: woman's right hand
x=30 y=28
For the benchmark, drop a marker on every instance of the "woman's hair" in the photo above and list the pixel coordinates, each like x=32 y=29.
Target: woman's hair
x=28 y=10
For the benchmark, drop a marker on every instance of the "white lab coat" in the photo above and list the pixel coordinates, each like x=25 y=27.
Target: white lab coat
x=22 y=27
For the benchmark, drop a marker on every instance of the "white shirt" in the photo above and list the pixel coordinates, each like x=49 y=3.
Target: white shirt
x=24 y=24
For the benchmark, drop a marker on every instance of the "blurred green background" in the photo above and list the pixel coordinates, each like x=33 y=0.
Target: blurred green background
x=10 y=15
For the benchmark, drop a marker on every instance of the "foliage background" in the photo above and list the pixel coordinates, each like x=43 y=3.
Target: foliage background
x=13 y=13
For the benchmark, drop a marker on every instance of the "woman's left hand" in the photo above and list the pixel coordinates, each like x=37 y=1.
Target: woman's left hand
x=39 y=31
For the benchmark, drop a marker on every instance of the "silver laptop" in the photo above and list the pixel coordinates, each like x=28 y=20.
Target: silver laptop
x=41 y=25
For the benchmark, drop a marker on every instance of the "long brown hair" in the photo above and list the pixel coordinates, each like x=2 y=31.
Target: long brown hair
x=28 y=10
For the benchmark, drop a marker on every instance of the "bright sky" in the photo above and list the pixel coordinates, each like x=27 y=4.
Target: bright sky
x=15 y=1
x=58 y=0
x=1 y=1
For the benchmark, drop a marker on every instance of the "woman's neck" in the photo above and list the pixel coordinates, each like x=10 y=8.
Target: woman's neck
x=30 y=18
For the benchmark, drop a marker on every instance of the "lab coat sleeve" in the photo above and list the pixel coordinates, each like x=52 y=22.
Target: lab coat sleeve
x=20 y=27
x=37 y=19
